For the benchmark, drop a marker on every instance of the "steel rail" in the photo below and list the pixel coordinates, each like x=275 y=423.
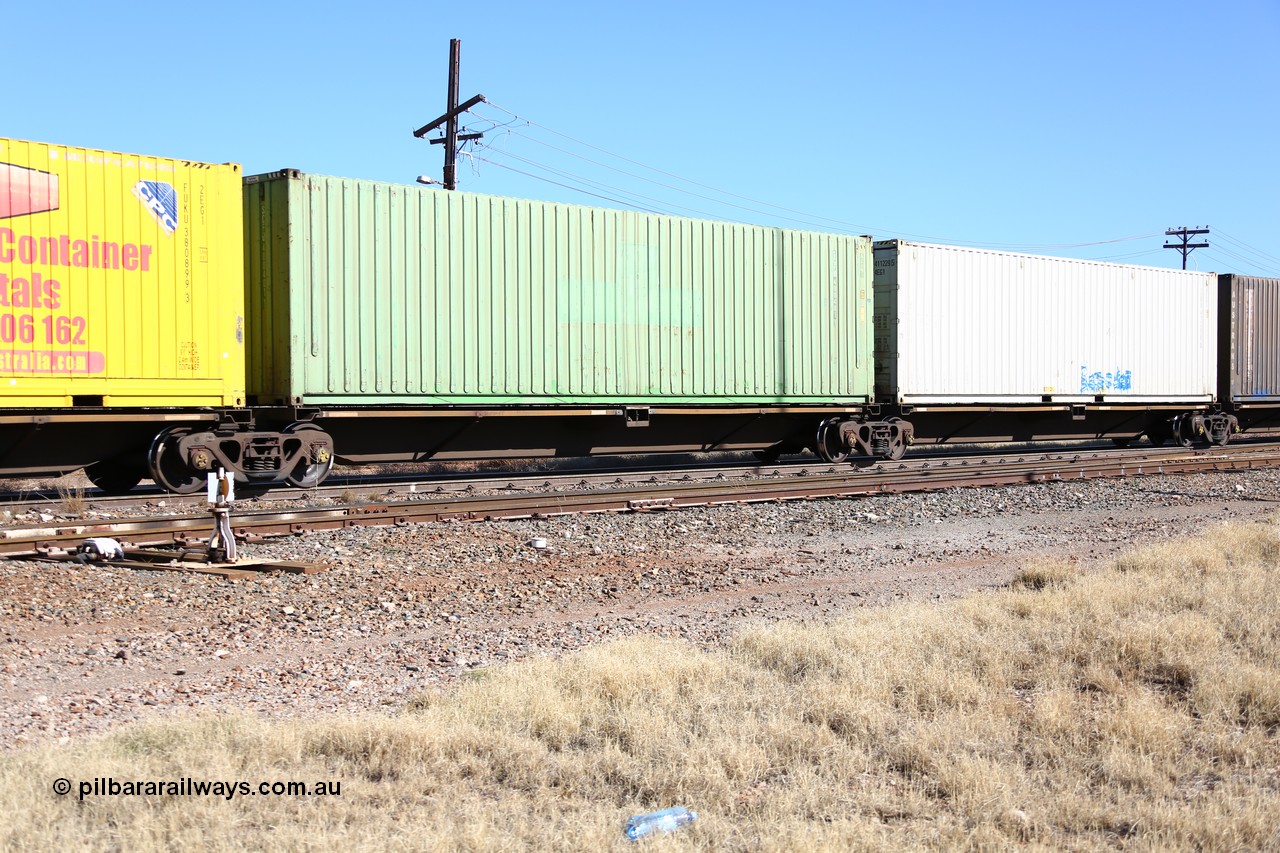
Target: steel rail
x=569 y=478
x=889 y=478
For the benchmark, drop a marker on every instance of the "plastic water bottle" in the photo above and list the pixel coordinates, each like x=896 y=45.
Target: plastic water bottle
x=667 y=820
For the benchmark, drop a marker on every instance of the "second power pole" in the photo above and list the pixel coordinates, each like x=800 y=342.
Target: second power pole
x=451 y=126
x=451 y=136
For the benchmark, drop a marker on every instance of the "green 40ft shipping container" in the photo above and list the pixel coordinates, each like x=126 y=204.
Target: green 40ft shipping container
x=363 y=293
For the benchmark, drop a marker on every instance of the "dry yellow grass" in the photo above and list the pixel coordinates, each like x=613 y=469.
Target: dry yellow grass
x=71 y=500
x=1136 y=707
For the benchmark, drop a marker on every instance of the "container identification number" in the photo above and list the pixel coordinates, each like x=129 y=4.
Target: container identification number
x=23 y=328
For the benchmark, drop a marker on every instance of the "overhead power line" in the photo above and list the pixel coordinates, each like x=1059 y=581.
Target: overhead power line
x=557 y=183
x=1240 y=263
x=1142 y=254
x=1246 y=247
x=842 y=226
x=808 y=219
x=662 y=207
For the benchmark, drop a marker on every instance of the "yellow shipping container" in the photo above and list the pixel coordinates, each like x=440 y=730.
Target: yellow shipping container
x=121 y=279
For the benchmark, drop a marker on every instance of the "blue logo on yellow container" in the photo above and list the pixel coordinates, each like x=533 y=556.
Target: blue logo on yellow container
x=160 y=200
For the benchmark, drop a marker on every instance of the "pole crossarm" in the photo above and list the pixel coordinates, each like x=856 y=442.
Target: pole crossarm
x=462 y=137
x=454 y=113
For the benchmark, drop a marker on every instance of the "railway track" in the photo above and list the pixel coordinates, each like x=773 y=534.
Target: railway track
x=828 y=482
x=379 y=487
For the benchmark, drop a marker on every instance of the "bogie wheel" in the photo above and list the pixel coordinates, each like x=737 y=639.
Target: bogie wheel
x=897 y=445
x=306 y=473
x=828 y=442
x=1182 y=436
x=1159 y=434
x=169 y=470
x=116 y=476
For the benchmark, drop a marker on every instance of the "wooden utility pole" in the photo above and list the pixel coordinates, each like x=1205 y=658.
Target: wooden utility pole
x=1185 y=246
x=453 y=109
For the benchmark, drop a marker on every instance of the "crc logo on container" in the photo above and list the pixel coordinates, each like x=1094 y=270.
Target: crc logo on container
x=161 y=200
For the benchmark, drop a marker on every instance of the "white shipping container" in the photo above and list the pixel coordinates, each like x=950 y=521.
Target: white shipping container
x=956 y=325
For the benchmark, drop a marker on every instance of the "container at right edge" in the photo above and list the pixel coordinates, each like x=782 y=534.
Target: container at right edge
x=1248 y=339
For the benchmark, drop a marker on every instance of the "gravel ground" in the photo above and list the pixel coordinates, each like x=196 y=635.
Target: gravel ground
x=403 y=609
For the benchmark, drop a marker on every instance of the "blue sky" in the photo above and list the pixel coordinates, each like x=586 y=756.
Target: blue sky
x=1012 y=124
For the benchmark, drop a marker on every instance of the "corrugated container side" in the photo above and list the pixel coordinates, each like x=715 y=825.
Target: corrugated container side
x=402 y=295
x=121 y=279
x=961 y=325
x=267 y=259
x=1249 y=342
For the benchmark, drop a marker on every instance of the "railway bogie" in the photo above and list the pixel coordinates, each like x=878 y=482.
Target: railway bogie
x=838 y=438
x=180 y=459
